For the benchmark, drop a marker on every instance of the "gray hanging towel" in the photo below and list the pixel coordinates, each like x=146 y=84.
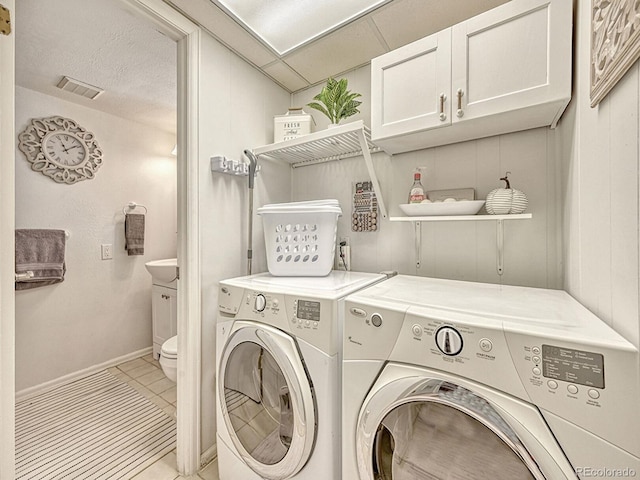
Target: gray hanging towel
x=40 y=252
x=134 y=233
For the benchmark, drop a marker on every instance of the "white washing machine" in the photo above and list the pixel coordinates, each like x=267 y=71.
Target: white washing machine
x=457 y=380
x=279 y=342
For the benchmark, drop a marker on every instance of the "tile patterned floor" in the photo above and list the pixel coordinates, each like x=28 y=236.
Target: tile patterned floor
x=146 y=376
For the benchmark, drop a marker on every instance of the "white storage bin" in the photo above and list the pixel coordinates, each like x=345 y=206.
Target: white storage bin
x=300 y=237
x=293 y=124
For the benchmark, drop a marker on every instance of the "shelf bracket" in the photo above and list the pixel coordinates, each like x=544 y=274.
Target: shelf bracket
x=372 y=172
x=418 y=238
x=499 y=219
x=500 y=247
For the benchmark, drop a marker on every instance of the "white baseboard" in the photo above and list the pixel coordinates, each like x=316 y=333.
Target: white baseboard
x=209 y=455
x=43 y=387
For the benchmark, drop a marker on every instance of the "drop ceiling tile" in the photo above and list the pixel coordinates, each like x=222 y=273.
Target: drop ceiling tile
x=225 y=29
x=403 y=21
x=351 y=46
x=285 y=76
x=288 y=24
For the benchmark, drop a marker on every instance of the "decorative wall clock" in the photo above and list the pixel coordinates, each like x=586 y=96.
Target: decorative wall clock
x=60 y=149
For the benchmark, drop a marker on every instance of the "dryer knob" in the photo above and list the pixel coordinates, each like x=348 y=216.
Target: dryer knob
x=449 y=341
x=261 y=302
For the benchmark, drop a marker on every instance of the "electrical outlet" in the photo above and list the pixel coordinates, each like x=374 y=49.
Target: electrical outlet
x=107 y=251
x=343 y=261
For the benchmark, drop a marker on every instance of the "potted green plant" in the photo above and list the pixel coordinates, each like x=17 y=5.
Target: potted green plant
x=336 y=101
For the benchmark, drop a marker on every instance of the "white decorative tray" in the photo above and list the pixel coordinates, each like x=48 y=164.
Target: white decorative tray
x=462 y=207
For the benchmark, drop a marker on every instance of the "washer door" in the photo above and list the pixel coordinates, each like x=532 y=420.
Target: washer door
x=418 y=428
x=267 y=400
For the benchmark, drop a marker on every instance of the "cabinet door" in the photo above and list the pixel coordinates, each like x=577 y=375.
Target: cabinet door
x=164 y=310
x=410 y=87
x=512 y=57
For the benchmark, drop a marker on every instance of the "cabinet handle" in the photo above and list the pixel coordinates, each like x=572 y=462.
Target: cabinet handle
x=460 y=112
x=443 y=98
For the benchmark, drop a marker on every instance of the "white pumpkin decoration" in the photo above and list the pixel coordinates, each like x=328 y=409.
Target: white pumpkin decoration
x=503 y=201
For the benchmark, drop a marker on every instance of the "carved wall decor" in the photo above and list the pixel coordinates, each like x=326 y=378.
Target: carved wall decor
x=615 y=43
x=61 y=149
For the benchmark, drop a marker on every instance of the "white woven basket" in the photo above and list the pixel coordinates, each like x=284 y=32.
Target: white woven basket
x=300 y=237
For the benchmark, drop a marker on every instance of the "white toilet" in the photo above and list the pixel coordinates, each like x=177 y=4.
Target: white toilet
x=169 y=358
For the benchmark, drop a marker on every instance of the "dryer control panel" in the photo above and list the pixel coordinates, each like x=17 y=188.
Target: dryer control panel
x=591 y=384
x=575 y=366
x=311 y=319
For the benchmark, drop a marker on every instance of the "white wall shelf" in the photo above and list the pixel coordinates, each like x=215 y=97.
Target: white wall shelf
x=499 y=219
x=462 y=218
x=336 y=143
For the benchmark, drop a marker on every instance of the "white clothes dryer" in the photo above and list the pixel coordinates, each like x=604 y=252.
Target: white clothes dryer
x=279 y=344
x=457 y=380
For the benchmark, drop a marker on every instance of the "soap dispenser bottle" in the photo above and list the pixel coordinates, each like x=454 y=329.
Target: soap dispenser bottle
x=416 y=194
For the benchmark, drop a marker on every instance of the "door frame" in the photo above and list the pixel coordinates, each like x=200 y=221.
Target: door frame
x=7 y=259
x=187 y=35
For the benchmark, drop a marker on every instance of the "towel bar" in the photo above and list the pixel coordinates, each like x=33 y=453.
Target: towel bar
x=24 y=276
x=133 y=206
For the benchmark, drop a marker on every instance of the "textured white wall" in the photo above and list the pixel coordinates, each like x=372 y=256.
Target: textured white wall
x=600 y=182
x=103 y=308
x=237 y=105
x=456 y=250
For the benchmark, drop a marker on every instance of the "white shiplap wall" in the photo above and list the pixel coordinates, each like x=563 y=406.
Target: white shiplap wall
x=600 y=157
x=464 y=251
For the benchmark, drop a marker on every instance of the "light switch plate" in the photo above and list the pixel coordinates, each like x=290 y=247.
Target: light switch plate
x=107 y=251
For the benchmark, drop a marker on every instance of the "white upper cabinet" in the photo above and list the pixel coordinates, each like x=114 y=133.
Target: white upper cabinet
x=412 y=86
x=505 y=70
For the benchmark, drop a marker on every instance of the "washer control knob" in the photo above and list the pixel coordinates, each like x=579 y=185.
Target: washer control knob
x=417 y=330
x=552 y=384
x=536 y=370
x=449 y=341
x=571 y=388
x=376 y=320
x=261 y=302
x=593 y=393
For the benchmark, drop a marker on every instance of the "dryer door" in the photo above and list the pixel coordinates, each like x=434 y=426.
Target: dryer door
x=267 y=400
x=420 y=427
